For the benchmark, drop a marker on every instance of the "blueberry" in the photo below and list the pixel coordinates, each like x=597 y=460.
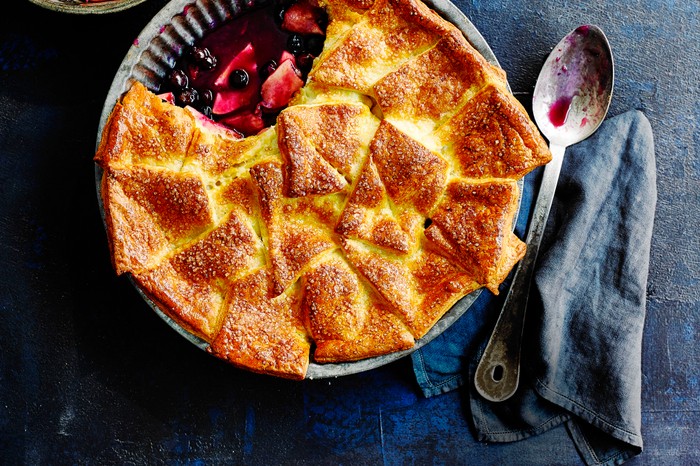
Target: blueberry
x=201 y=57
x=239 y=79
x=199 y=53
x=178 y=79
x=188 y=96
x=206 y=96
x=314 y=44
x=304 y=62
x=206 y=111
x=209 y=62
x=267 y=69
x=295 y=44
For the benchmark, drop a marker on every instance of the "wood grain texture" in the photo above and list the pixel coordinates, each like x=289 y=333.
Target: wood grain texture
x=89 y=374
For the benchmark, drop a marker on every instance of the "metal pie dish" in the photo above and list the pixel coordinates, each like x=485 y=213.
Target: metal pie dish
x=155 y=52
x=81 y=8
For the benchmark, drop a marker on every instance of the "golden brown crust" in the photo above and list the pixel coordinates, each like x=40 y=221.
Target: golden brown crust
x=136 y=240
x=473 y=225
x=383 y=333
x=262 y=334
x=392 y=32
x=411 y=173
x=447 y=74
x=295 y=232
x=367 y=214
x=492 y=136
x=190 y=286
x=345 y=319
x=216 y=149
x=338 y=132
x=307 y=171
x=419 y=289
x=193 y=304
x=144 y=129
x=331 y=302
x=176 y=201
x=390 y=278
x=316 y=233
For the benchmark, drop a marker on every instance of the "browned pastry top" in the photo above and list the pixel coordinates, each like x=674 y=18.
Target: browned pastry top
x=385 y=193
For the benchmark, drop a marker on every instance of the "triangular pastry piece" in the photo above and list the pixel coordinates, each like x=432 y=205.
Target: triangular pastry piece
x=191 y=285
x=295 y=231
x=260 y=333
x=136 y=240
x=425 y=90
x=307 y=172
x=345 y=319
x=143 y=129
x=412 y=174
x=473 y=226
x=216 y=150
x=391 y=32
x=323 y=145
x=400 y=183
x=342 y=15
x=419 y=288
x=150 y=209
x=368 y=214
x=492 y=136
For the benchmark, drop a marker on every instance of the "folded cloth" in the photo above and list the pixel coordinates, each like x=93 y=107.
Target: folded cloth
x=581 y=362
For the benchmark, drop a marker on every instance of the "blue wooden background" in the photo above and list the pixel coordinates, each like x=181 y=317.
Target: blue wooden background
x=88 y=374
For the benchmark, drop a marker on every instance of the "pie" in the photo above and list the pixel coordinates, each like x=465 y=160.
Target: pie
x=385 y=192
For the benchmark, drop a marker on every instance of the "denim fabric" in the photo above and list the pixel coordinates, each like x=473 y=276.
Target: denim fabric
x=582 y=345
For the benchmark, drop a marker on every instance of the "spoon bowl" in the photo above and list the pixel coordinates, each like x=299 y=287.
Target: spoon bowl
x=574 y=88
x=570 y=101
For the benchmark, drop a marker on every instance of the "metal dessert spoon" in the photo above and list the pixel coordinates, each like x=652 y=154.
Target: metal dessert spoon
x=570 y=101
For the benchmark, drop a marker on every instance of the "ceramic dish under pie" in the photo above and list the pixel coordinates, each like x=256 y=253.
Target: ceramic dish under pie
x=344 y=236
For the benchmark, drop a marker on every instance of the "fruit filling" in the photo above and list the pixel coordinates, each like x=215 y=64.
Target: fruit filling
x=245 y=72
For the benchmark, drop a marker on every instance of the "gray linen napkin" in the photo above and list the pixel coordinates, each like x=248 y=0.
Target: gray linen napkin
x=582 y=345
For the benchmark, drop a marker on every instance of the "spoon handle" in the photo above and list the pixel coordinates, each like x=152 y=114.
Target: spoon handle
x=498 y=372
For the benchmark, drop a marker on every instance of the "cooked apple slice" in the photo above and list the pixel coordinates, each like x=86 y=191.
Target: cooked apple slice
x=288 y=56
x=244 y=60
x=303 y=18
x=212 y=126
x=231 y=101
x=248 y=122
x=168 y=97
x=280 y=86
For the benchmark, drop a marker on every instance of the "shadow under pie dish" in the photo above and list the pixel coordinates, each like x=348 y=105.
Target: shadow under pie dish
x=383 y=194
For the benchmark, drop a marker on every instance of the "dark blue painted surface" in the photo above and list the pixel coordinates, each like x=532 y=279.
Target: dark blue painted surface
x=88 y=374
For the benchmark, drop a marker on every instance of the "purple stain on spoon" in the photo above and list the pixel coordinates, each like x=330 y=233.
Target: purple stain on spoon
x=583 y=30
x=559 y=110
x=580 y=68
